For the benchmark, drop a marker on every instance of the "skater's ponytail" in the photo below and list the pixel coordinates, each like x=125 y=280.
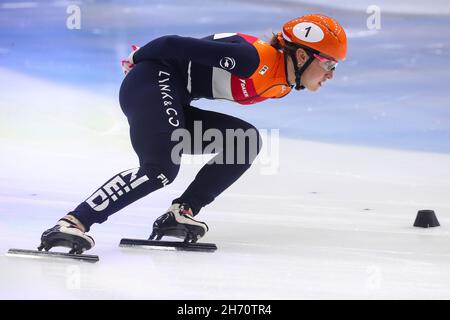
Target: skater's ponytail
x=277 y=41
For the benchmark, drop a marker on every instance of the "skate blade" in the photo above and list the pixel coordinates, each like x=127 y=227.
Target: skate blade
x=47 y=254
x=168 y=245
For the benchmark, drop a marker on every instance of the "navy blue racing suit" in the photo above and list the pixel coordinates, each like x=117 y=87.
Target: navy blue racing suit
x=155 y=96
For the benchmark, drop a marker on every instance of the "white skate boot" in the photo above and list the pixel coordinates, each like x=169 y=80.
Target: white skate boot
x=179 y=222
x=68 y=232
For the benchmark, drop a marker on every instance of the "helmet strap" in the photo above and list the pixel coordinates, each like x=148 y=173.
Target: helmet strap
x=292 y=51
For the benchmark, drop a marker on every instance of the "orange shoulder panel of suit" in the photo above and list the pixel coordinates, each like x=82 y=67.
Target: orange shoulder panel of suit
x=270 y=76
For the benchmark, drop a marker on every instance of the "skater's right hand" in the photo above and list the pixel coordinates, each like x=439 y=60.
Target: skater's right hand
x=128 y=64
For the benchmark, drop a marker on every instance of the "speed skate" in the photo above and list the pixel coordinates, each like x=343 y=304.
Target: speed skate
x=63 y=234
x=177 y=222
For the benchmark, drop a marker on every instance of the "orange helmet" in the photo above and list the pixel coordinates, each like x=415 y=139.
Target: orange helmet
x=318 y=32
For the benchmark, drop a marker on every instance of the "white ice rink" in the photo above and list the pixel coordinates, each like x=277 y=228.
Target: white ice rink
x=329 y=221
x=336 y=222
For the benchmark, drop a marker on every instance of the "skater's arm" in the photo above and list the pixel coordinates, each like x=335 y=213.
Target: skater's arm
x=203 y=51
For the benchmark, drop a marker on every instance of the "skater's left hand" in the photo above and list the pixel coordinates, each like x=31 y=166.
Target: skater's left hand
x=128 y=64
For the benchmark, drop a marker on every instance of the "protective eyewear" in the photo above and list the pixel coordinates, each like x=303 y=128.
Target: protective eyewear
x=326 y=63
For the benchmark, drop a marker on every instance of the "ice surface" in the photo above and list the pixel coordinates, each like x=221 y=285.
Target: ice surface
x=332 y=221
x=336 y=222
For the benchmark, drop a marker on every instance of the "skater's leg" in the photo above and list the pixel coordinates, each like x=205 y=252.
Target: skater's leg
x=145 y=103
x=235 y=157
x=124 y=189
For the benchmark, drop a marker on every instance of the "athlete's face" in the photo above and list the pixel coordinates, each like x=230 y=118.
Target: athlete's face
x=314 y=76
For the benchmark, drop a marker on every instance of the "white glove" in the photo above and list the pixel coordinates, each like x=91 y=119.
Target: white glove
x=128 y=64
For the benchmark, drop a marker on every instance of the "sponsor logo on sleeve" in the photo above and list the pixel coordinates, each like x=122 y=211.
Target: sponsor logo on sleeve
x=227 y=63
x=244 y=88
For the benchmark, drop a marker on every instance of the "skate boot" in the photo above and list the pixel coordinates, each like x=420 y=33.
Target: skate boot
x=68 y=232
x=179 y=222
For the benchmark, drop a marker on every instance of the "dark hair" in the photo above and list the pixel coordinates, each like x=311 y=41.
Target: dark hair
x=277 y=41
